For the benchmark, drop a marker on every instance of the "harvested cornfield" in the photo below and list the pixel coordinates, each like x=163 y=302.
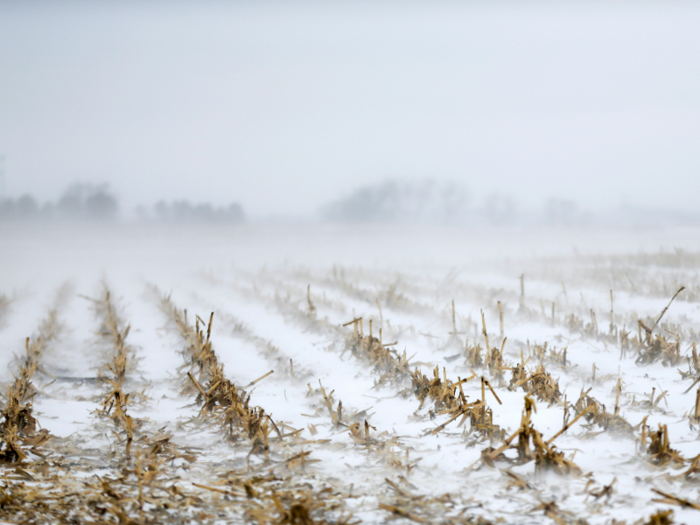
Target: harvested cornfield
x=197 y=384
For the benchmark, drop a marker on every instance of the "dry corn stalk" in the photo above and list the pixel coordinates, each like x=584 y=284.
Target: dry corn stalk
x=659 y=451
x=392 y=366
x=663 y=517
x=218 y=396
x=539 y=383
x=658 y=348
x=531 y=446
x=695 y=414
x=18 y=426
x=595 y=413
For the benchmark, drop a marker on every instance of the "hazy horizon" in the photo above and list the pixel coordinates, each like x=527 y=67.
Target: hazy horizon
x=286 y=107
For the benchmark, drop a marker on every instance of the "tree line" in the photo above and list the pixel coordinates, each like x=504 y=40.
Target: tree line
x=97 y=203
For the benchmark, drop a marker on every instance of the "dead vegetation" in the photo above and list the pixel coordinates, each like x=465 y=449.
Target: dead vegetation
x=217 y=395
x=55 y=491
x=546 y=354
x=658 y=348
x=491 y=358
x=391 y=366
x=539 y=383
x=272 y=478
x=19 y=427
x=531 y=446
x=269 y=499
x=143 y=486
x=663 y=517
x=403 y=502
x=142 y=490
x=380 y=444
x=448 y=397
x=695 y=413
x=596 y=414
x=115 y=401
x=656 y=446
x=693 y=367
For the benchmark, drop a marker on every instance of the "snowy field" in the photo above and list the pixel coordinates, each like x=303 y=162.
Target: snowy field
x=420 y=375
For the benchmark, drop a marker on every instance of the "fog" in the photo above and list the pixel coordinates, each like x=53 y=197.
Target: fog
x=373 y=210
x=287 y=107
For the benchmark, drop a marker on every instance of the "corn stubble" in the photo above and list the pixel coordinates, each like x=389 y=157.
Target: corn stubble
x=273 y=478
x=279 y=497
x=18 y=429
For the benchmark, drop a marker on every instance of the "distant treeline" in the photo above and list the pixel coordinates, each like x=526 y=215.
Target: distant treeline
x=429 y=201
x=182 y=211
x=401 y=201
x=96 y=203
x=78 y=202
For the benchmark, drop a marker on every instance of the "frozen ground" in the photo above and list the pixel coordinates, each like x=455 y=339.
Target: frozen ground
x=256 y=279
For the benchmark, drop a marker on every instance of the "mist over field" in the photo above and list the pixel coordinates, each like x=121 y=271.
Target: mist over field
x=332 y=263
x=286 y=107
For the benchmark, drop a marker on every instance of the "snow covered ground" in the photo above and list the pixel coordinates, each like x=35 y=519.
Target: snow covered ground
x=281 y=296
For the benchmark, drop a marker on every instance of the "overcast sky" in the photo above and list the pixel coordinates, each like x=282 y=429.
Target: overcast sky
x=283 y=106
